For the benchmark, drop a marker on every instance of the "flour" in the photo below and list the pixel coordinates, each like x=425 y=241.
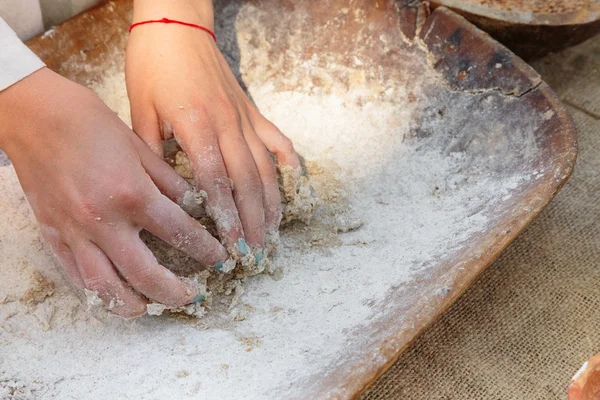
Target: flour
x=404 y=192
x=93 y=300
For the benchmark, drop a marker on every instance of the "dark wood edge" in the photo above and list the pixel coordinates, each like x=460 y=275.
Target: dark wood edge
x=579 y=17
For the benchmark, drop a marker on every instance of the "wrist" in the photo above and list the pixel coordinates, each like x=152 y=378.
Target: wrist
x=29 y=109
x=198 y=12
x=12 y=104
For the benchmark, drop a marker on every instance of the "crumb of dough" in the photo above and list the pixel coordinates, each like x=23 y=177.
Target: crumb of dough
x=327 y=201
x=300 y=201
x=194 y=310
x=192 y=202
x=321 y=195
x=92 y=298
x=277 y=274
x=229 y=265
x=155 y=308
x=345 y=223
x=183 y=374
x=238 y=314
x=183 y=166
x=41 y=288
x=272 y=243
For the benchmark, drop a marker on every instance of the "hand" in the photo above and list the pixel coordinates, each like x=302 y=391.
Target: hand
x=93 y=185
x=180 y=85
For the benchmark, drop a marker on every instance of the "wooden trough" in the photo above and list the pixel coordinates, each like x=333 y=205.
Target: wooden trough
x=463 y=101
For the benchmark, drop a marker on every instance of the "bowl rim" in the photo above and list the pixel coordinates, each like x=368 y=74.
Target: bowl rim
x=585 y=15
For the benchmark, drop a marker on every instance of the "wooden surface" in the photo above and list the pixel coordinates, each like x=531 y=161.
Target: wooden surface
x=467 y=63
x=531 y=35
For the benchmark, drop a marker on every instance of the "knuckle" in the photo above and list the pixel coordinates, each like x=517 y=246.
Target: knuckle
x=141 y=277
x=256 y=231
x=127 y=197
x=228 y=115
x=226 y=107
x=197 y=117
x=220 y=183
x=253 y=183
x=85 y=209
x=286 y=144
x=201 y=115
x=97 y=284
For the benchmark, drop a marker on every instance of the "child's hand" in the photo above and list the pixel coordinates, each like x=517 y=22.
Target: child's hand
x=180 y=85
x=93 y=185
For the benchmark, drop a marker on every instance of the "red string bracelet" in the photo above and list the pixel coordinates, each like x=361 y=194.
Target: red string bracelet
x=172 y=21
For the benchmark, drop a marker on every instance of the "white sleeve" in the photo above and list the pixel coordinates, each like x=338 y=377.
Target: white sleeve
x=16 y=60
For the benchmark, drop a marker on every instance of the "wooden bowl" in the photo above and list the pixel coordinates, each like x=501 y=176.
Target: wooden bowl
x=530 y=33
x=468 y=102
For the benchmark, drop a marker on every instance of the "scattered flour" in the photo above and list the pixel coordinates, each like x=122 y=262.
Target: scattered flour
x=402 y=191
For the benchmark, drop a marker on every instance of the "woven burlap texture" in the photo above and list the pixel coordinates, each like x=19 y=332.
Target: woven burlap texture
x=531 y=320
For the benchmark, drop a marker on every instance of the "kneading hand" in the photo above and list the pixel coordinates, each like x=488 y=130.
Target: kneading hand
x=180 y=85
x=93 y=185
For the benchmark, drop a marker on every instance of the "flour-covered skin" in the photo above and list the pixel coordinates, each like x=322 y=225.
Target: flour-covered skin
x=93 y=185
x=180 y=86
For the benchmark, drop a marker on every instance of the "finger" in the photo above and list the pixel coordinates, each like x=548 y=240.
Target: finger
x=210 y=175
x=145 y=124
x=268 y=175
x=67 y=259
x=141 y=270
x=63 y=254
x=169 y=222
x=277 y=143
x=287 y=159
x=100 y=276
x=247 y=185
x=169 y=182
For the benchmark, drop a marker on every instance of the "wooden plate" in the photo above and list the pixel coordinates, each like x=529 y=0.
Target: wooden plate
x=530 y=34
x=467 y=101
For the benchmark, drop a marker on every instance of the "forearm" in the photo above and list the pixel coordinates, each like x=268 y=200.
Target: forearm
x=193 y=11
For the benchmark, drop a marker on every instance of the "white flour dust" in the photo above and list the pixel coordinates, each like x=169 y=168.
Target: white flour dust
x=394 y=202
x=410 y=214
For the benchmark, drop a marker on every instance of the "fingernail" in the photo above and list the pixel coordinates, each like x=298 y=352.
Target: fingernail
x=198 y=299
x=259 y=256
x=219 y=266
x=242 y=246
